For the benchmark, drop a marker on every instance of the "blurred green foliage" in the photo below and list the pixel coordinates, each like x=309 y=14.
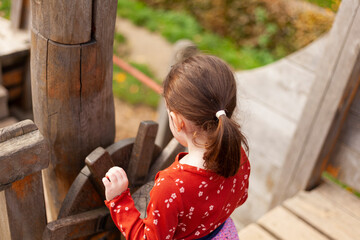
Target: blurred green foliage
x=5 y=6
x=333 y=5
x=176 y=25
x=131 y=90
x=275 y=28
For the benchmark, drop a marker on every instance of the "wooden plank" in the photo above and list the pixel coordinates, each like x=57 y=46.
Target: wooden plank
x=26 y=98
x=254 y=231
x=99 y=162
x=142 y=198
x=120 y=152
x=164 y=134
x=13 y=77
x=23 y=151
x=350 y=134
x=80 y=225
x=285 y=225
x=66 y=22
x=142 y=153
x=272 y=86
x=324 y=215
x=4 y=110
x=165 y=159
x=4 y=223
x=355 y=107
x=323 y=102
x=81 y=197
x=342 y=198
x=25 y=201
x=345 y=165
x=16 y=13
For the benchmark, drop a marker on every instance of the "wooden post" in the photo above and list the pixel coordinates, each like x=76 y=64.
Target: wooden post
x=23 y=153
x=71 y=73
x=20 y=14
x=328 y=101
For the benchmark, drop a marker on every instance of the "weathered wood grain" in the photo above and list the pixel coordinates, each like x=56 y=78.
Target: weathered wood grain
x=66 y=22
x=344 y=164
x=99 y=162
x=340 y=197
x=7 y=122
x=142 y=153
x=285 y=225
x=324 y=215
x=142 y=198
x=350 y=133
x=167 y=156
x=23 y=151
x=120 y=152
x=334 y=76
x=79 y=225
x=4 y=221
x=254 y=231
x=81 y=197
x=25 y=201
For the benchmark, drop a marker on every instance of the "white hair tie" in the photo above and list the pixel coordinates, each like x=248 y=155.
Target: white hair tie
x=219 y=113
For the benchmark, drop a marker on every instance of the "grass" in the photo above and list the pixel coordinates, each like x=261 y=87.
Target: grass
x=131 y=90
x=179 y=25
x=333 y=5
x=5 y=6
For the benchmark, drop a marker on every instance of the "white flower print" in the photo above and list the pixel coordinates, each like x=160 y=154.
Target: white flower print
x=191 y=211
x=156 y=212
x=182 y=190
x=168 y=236
x=126 y=208
x=207 y=197
x=178 y=181
x=112 y=204
x=158 y=182
x=211 y=207
x=200 y=193
x=170 y=200
x=197 y=233
x=155 y=221
x=246 y=176
x=203 y=184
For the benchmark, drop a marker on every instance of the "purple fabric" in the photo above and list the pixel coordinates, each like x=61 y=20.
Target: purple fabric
x=228 y=231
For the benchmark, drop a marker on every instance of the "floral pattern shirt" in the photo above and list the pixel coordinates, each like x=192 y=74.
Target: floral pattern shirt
x=185 y=203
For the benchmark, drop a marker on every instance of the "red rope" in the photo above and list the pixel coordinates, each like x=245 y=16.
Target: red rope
x=138 y=75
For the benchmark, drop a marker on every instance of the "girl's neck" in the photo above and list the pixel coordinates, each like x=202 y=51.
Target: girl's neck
x=195 y=157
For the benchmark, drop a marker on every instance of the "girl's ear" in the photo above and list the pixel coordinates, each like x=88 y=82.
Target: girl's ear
x=177 y=120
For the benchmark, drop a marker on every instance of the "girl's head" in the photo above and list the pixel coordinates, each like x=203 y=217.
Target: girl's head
x=197 y=88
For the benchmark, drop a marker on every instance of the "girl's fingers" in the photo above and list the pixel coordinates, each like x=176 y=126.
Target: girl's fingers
x=106 y=182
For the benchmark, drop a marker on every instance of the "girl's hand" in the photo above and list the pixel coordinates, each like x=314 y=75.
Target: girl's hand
x=115 y=182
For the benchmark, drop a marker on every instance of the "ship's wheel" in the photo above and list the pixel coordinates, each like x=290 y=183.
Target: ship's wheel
x=83 y=214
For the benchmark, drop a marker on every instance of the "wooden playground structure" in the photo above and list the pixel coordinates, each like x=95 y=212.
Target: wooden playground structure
x=51 y=170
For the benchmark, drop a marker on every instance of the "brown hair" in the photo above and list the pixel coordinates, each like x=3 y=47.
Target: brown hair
x=197 y=88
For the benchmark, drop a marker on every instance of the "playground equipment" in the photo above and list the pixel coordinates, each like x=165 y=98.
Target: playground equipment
x=305 y=115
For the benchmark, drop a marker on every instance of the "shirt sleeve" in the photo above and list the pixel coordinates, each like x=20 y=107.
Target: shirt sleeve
x=162 y=212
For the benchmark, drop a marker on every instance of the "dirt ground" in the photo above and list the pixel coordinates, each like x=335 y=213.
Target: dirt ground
x=142 y=47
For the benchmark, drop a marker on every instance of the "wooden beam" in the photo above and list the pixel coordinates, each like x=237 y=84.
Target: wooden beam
x=23 y=154
x=23 y=151
x=71 y=64
x=334 y=78
x=99 y=162
x=142 y=153
x=66 y=22
x=79 y=225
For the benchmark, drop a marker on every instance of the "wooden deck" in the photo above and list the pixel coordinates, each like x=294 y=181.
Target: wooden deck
x=326 y=212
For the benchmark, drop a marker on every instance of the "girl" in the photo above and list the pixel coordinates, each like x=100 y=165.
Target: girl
x=194 y=197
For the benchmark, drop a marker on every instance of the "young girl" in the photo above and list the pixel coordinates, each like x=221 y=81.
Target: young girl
x=194 y=197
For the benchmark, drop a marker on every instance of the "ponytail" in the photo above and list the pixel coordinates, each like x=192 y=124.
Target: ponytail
x=223 y=150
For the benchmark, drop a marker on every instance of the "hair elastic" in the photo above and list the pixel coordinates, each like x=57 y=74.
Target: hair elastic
x=219 y=113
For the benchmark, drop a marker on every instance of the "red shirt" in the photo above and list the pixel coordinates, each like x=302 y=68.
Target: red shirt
x=185 y=203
